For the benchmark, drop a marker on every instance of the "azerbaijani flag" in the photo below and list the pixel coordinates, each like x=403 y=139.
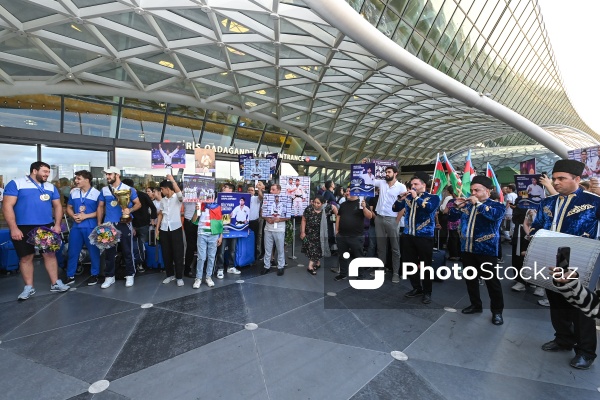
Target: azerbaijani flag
x=468 y=174
x=455 y=180
x=440 y=181
x=490 y=174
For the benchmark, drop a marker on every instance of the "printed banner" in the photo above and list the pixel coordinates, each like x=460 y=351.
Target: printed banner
x=276 y=205
x=527 y=167
x=198 y=188
x=380 y=166
x=242 y=159
x=529 y=191
x=297 y=188
x=167 y=155
x=255 y=169
x=591 y=158
x=273 y=160
x=236 y=214
x=205 y=161
x=362 y=180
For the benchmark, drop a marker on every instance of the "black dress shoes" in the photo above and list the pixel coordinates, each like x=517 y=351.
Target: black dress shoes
x=497 y=319
x=279 y=271
x=265 y=271
x=472 y=310
x=426 y=299
x=553 y=346
x=581 y=362
x=414 y=293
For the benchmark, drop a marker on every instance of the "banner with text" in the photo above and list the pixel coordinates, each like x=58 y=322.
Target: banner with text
x=362 y=179
x=529 y=191
x=236 y=214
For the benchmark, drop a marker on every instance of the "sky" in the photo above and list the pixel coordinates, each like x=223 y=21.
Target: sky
x=573 y=34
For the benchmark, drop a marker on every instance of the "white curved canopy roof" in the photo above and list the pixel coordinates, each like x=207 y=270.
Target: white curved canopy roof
x=268 y=59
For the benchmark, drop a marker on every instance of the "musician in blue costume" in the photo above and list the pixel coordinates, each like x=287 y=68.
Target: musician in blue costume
x=419 y=226
x=479 y=230
x=575 y=212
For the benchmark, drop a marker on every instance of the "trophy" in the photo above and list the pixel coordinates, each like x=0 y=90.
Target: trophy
x=123 y=197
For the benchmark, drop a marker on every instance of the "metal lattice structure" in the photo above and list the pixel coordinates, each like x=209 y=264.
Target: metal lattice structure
x=278 y=61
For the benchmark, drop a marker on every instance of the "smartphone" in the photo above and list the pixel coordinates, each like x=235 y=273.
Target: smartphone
x=563 y=255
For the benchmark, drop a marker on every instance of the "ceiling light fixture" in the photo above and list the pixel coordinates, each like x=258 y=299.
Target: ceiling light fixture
x=233 y=26
x=250 y=104
x=262 y=91
x=234 y=51
x=75 y=27
x=166 y=64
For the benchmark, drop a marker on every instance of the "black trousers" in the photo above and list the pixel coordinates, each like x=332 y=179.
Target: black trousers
x=255 y=227
x=517 y=259
x=453 y=243
x=351 y=244
x=171 y=243
x=191 y=239
x=572 y=328
x=416 y=249
x=230 y=244
x=493 y=285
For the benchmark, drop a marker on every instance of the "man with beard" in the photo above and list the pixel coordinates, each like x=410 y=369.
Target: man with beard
x=30 y=202
x=111 y=211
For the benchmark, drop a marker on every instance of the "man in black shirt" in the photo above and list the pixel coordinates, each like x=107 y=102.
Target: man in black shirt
x=141 y=225
x=350 y=231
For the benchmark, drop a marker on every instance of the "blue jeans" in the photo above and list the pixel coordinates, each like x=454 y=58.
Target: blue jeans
x=141 y=237
x=207 y=249
x=277 y=238
x=77 y=238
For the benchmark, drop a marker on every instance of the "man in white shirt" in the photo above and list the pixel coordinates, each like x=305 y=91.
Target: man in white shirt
x=167 y=156
x=255 y=170
x=276 y=207
x=510 y=198
x=290 y=187
x=386 y=220
x=170 y=230
x=588 y=170
x=535 y=191
x=298 y=197
x=275 y=235
x=368 y=178
x=256 y=223
x=241 y=213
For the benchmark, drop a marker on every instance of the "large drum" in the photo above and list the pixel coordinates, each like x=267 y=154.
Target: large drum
x=541 y=254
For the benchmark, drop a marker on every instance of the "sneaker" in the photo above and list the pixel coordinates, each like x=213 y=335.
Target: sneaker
x=518 y=287
x=414 y=293
x=209 y=281
x=169 y=279
x=180 y=282
x=108 y=281
x=70 y=280
x=129 y=281
x=280 y=271
x=197 y=283
x=395 y=278
x=233 y=270
x=544 y=303
x=59 y=286
x=26 y=293
x=539 y=291
x=339 y=277
x=93 y=280
x=220 y=274
x=140 y=268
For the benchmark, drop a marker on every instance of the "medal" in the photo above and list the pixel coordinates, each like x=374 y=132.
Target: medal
x=44 y=197
x=81 y=208
x=82 y=199
x=114 y=203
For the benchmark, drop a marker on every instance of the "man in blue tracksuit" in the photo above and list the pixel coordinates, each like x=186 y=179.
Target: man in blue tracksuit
x=479 y=226
x=419 y=226
x=82 y=207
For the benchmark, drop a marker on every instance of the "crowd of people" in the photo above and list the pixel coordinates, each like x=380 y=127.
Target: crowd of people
x=398 y=225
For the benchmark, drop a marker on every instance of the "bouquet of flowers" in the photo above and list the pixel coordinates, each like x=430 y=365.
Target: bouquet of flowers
x=45 y=240
x=105 y=236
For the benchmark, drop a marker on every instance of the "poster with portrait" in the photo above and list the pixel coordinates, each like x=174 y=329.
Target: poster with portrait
x=198 y=188
x=527 y=166
x=257 y=169
x=167 y=155
x=236 y=214
x=297 y=188
x=205 y=161
x=591 y=158
x=242 y=159
x=274 y=162
x=380 y=166
x=362 y=179
x=530 y=192
x=277 y=205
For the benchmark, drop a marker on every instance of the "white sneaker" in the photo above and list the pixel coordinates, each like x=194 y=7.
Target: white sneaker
x=59 y=286
x=519 y=287
x=539 y=291
x=108 y=282
x=180 y=282
x=129 y=281
x=28 y=291
x=220 y=274
x=209 y=281
x=197 y=283
x=169 y=279
x=233 y=270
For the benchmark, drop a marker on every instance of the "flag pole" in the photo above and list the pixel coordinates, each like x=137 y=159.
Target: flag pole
x=433 y=180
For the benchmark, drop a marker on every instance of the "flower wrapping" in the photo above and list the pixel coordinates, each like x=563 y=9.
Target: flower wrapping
x=105 y=236
x=45 y=239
